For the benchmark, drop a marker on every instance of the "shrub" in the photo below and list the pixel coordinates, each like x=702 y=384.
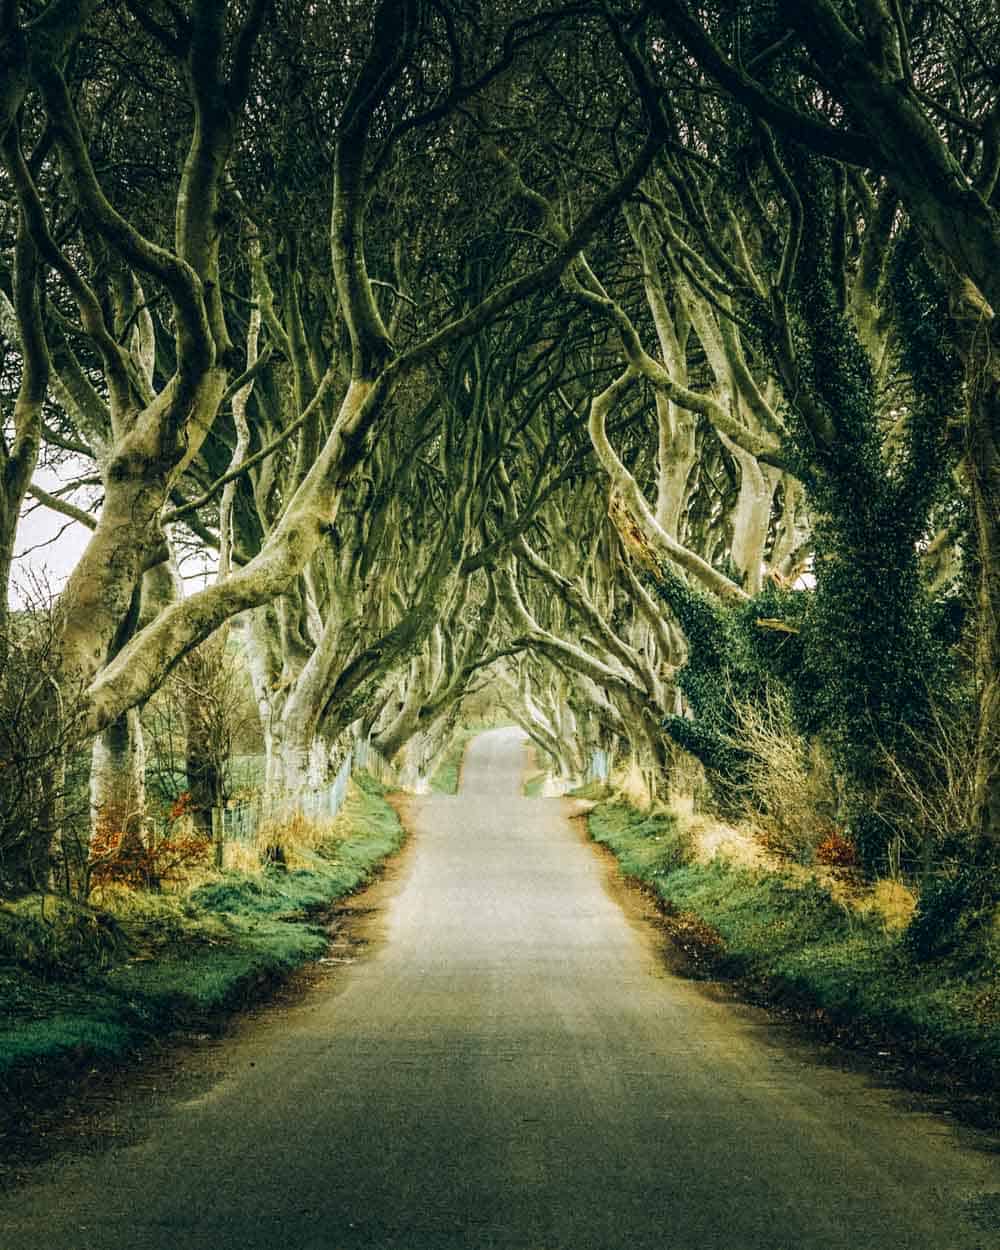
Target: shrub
x=953 y=916
x=40 y=768
x=121 y=855
x=790 y=794
x=927 y=795
x=836 y=852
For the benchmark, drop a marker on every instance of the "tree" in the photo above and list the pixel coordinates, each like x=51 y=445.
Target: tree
x=43 y=773
x=145 y=303
x=917 y=90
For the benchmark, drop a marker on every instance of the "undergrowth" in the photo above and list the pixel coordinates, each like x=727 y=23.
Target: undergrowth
x=81 y=981
x=789 y=940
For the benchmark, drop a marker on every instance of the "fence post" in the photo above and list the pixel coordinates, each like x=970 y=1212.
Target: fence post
x=218 y=832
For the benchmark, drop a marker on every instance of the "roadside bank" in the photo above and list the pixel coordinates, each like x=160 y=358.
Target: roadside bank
x=838 y=964
x=87 y=985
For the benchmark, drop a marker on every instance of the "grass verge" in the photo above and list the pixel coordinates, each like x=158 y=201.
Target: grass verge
x=82 y=984
x=534 y=784
x=788 y=942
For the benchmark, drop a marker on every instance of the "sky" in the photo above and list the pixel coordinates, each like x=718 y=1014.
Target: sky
x=48 y=544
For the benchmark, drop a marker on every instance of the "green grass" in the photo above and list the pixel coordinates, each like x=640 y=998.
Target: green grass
x=591 y=790
x=534 y=784
x=60 y=1035
x=647 y=846
x=792 y=940
x=79 y=983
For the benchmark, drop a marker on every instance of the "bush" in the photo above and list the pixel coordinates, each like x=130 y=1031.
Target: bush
x=954 y=915
x=927 y=795
x=790 y=794
x=143 y=861
x=836 y=852
x=59 y=936
x=40 y=770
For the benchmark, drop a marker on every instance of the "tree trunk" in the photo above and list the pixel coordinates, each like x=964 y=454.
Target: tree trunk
x=413 y=763
x=984 y=476
x=751 y=516
x=203 y=779
x=118 y=789
x=260 y=632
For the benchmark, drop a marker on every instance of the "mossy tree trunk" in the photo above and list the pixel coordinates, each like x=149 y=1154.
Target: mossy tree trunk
x=984 y=474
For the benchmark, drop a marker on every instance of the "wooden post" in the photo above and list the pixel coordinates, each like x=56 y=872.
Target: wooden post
x=218 y=829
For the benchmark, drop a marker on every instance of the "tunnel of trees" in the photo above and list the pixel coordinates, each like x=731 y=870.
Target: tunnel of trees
x=631 y=365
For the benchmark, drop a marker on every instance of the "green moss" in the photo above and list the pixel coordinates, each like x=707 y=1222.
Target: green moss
x=86 y=984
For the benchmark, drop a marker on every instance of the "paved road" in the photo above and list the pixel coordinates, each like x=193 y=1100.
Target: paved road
x=512 y=1067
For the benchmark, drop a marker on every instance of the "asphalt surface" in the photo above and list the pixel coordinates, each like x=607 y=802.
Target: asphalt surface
x=511 y=1065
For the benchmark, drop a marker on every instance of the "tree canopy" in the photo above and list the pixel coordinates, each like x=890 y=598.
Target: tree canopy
x=636 y=361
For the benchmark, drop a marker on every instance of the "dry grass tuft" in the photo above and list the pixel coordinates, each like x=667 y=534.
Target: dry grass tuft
x=128 y=903
x=293 y=840
x=630 y=781
x=893 y=902
x=682 y=805
x=791 y=796
x=245 y=857
x=711 y=838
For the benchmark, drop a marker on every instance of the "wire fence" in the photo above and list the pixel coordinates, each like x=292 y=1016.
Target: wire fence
x=367 y=759
x=599 y=768
x=242 y=822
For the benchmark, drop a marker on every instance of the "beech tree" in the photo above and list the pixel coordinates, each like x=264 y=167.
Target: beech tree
x=132 y=312
x=789 y=308
x=699 y=329
x=908 y=93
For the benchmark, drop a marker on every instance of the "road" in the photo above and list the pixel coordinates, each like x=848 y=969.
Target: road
x=512 y=1066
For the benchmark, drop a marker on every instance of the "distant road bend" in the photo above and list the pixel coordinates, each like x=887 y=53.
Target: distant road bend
x=511 y=1066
